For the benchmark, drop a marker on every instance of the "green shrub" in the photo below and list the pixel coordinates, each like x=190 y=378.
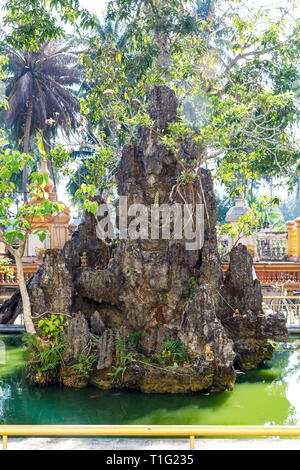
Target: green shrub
x=192 y=283
x=45 y=358
x=45 y=355
x=124 y=358
x=84 y=366
x=52 y=327
x=135 y=338
x=173 y=351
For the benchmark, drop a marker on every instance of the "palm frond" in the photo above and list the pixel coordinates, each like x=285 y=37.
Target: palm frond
x=42 y=77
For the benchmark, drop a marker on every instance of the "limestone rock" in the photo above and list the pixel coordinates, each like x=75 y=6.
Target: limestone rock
x=97 y=324
x=85 y=240
x=242 y=314
x=107 y=351
x=77 y=336
x=153 y=289
x=51 y=290
x=162 y=106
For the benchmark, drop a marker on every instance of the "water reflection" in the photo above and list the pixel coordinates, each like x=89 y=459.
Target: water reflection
x=269 y=395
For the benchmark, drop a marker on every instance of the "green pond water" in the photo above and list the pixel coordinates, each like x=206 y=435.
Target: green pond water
x=267 y=396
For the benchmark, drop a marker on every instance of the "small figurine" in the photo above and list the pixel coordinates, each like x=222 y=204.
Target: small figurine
x=209 y=355
x=84 y=261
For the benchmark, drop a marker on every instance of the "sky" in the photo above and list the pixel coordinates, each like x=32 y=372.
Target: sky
x=95 y=6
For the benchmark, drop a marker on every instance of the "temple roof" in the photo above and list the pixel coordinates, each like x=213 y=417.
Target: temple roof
x=235 y=213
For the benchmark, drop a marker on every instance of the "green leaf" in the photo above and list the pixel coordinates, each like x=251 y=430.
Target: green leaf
x=42 y=236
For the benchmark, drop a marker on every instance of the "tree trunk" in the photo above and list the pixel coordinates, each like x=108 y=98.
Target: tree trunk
x=29 y=326
x=26 y=146
x=47 y=149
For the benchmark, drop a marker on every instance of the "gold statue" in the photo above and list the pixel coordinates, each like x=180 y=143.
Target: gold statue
x=84 y=261
x=209 y=355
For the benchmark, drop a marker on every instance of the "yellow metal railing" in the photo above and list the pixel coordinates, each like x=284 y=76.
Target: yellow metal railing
x=146 y=431
x=289 y=305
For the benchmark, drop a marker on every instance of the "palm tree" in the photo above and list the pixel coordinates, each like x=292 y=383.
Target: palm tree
x=39 y=93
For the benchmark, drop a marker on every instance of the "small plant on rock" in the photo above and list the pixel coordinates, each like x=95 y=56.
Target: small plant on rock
x=52 y=327
x=84 y=366
x=46 y=353
x=135 y=338
x=174 y=351
x=192 y=283
x=124 y=359
x=45 y=358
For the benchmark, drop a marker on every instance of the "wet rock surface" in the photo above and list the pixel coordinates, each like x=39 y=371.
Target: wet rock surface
x=139 y=298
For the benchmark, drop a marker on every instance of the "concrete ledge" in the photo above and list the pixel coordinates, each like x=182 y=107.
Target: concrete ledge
x=294 y=329
x=12 y=329
x=150 y=444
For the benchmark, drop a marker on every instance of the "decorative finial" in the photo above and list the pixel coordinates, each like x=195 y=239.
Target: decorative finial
x=44 y=171
x=84 y=261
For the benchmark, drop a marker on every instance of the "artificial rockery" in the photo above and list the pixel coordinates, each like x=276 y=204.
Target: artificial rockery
x=154 y=316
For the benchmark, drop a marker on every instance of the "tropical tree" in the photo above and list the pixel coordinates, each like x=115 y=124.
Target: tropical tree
x=29 y=23
x=227 y=71
x=268 y=212
x=290 y=207
x=16 y=225
x=224 y=204
x=38 y=93
x=118 y=65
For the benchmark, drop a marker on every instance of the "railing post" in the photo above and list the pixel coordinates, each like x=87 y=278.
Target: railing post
x=297 y=224
x=4 y=442
x=290 y=228
x=192 y=442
